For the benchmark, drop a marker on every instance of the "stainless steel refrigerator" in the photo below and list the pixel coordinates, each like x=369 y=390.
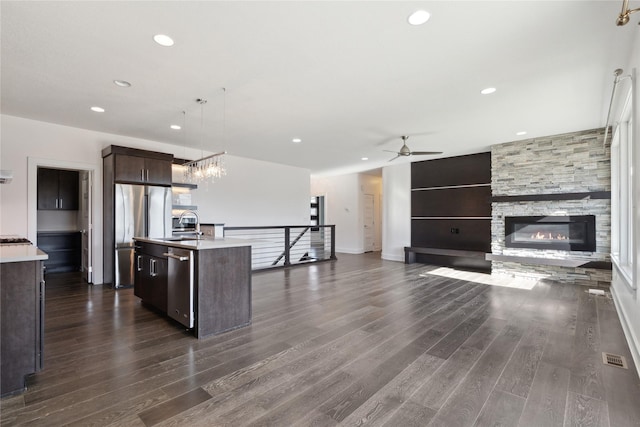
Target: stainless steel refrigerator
x=140 y=211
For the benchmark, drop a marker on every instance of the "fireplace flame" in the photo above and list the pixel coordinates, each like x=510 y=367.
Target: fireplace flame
x=548 y=236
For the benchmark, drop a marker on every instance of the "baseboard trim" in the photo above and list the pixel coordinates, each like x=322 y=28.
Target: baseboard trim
x=392 y=257
x=634 y=346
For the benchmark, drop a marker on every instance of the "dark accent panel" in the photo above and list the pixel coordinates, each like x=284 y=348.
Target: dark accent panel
x=460 y=170
x=223 y=290
x=559 y=196
x=462 y=234
x=464 y=201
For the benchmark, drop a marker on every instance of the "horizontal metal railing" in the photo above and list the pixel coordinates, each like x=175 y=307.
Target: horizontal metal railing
x=285 y=245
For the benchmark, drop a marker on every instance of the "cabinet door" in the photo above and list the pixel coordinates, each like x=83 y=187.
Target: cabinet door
x=158 y=171
x=129 y=168
x=159 y=283
x=68 y=189
x=47 y=188
x=142 y=277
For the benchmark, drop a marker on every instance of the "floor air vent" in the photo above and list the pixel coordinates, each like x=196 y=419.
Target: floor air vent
x=614 y=360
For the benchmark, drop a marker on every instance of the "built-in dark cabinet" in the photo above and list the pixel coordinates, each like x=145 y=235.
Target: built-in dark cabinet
x=64 y=249
x=58 y=189
x=22 y=329
x=142 y=170
x=451 y=211
x=151 y=273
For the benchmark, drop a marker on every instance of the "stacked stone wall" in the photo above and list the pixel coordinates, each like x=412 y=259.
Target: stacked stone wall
x=576 y=162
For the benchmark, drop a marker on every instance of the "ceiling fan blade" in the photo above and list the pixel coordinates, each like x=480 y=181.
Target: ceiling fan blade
x=394 y=158
x=424 y=153
x=389 y=151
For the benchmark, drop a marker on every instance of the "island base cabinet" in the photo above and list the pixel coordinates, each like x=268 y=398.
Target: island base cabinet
x=22 y=316
x=223 y=290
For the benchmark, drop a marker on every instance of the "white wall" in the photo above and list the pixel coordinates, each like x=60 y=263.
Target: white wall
x=343 y=209
x=282 y=196
x=396 y=211
x=255 y=192
x=626 y=298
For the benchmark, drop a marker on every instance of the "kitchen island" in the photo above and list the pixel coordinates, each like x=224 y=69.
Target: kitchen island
x=205 y=284
x=22 y=315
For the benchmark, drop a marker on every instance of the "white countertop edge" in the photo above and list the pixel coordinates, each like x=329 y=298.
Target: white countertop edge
x=20 y=253
x=198 y=245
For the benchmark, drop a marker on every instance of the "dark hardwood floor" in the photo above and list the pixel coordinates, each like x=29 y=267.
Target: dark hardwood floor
x=359 y=341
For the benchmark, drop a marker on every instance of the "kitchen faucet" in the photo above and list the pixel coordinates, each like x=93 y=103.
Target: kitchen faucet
x=198 y=232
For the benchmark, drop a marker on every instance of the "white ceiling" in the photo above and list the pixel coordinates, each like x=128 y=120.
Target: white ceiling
x=347 y=77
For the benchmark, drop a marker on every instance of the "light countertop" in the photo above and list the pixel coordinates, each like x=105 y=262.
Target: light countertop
x=19 y=253
x=198 y=245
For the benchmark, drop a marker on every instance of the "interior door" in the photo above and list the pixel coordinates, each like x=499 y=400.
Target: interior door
x=86 y=225
x=369 y=231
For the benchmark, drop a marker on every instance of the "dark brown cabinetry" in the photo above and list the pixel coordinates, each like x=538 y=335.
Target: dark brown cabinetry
x=22 y=311
x=221 y=295
x=64 y=250
x=151 y=272
x=58 y=189
x=142 y=170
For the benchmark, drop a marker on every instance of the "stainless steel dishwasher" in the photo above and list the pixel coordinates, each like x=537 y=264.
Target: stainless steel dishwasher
x=180 y=286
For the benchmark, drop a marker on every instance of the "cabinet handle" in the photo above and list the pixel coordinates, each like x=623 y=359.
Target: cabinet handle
x=141 y=174
x=153 y=271
x=139 y=263
x=56 y=203
x=147 y=174
x=179 y=258
x=60 y=203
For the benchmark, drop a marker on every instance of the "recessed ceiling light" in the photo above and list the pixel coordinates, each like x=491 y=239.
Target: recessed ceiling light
x=122 y=83
x=296 y=140
x=365 y=158
x=175 y=127
x=97 y=109
x=419 y=17
x=488 y=90
x=522 y=132
x=163 y=40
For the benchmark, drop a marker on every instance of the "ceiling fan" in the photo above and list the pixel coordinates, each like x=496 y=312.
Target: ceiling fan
x=405 y=151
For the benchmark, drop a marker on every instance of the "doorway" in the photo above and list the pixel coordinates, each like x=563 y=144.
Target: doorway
x=369 y=223
x=60 y=214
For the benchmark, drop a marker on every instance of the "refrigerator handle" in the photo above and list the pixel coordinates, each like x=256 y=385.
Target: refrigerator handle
x=148 y=215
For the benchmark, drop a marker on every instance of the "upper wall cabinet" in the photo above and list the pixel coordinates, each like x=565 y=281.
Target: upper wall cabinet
x=58 y=189
x=142 y=170
x=139 y=166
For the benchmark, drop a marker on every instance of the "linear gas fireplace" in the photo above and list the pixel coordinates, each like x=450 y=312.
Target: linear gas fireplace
x=569 y=233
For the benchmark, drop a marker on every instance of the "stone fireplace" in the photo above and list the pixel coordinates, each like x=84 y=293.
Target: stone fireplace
x=551 y=208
